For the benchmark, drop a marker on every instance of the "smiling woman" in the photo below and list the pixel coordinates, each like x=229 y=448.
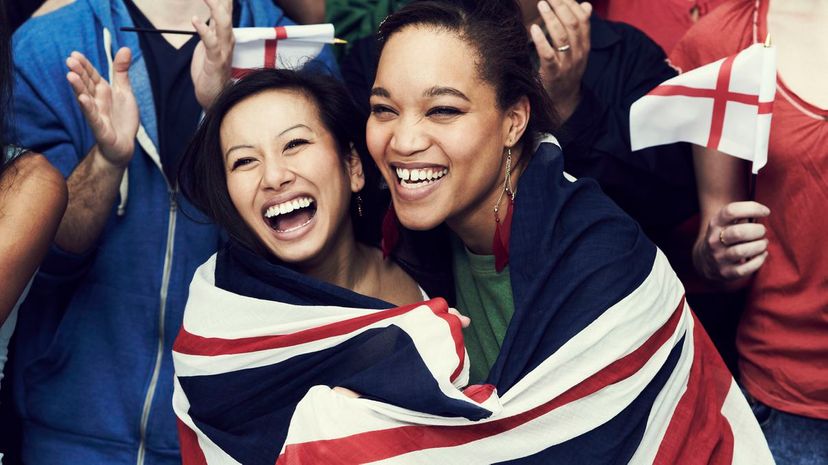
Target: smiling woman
x=276 y=162
x=543 y=264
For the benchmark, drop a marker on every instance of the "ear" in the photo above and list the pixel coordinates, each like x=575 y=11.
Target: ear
x=517 y=119
x=354 y=165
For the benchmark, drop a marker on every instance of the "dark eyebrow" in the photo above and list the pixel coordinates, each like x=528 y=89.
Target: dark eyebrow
x=438 y=91
x=380 y=92
x=300 y=125
x=243 y=146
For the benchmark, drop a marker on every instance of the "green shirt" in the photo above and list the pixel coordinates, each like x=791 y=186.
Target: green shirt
x=485 y=296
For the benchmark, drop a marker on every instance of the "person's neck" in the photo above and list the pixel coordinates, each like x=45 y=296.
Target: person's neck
x=792 y=24
x=173 y=14
x=344 y=264
x=476 y=228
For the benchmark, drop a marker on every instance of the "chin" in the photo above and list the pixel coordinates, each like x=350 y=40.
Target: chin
x=416 y=221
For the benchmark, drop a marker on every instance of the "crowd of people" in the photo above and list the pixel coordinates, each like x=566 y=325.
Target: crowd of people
x=468 y=154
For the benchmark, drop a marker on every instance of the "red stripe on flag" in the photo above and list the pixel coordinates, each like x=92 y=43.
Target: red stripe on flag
x=271 y=46
x=720 y=102
x=378 y=445
x=765 y=108
x=238 y=73
x=479 y=392
x=456 y=330
x=684 y=91
x=191 y=453
x=191 y=344
x=698 y=432
x=270 y=53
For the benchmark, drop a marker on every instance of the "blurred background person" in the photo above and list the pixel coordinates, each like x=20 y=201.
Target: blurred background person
x=783 y=335
x=92 y=376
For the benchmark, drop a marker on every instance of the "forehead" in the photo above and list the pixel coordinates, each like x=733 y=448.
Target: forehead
x=268 y=111
x=420 y=57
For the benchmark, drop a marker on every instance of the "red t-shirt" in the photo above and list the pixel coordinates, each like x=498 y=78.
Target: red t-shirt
x=783 y=336
x=665 y=21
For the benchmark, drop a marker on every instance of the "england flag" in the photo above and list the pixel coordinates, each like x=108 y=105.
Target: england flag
x=285 y=47
x=725 y=106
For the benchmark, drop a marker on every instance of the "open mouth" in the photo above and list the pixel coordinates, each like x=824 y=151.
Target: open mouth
x=290 y=215
x=419 y=177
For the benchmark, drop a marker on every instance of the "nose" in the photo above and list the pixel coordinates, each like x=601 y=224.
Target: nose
x=277 y=173
x=408 y=137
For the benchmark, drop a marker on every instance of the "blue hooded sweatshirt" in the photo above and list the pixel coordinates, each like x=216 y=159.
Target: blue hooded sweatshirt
x=93 y=371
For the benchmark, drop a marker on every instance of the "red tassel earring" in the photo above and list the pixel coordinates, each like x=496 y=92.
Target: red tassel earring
x=503 y=228
x=390 y=231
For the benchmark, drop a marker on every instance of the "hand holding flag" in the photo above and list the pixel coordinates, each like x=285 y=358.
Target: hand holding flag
x=725 y=106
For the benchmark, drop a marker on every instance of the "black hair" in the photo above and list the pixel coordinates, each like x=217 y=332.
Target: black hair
x=201 y=172
x=504 y=57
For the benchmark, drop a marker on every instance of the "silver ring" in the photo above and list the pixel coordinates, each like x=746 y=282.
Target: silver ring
x=564 y=48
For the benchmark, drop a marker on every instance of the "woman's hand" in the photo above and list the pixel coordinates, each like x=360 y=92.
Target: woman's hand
x=111 y=111
x=212 y=57
x=464 y=320
x=732 y=248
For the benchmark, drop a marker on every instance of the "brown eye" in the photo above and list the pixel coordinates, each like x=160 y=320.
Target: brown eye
x=443 y=111
x=295 y=143
x=381 y=111
x=242 y=162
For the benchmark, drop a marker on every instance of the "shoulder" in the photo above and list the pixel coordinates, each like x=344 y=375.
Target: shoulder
x=38 y=48
x=723 y=32
x=31 y=179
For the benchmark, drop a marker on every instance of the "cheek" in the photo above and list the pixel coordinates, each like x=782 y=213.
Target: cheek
x=376 y=138
x=241 y=192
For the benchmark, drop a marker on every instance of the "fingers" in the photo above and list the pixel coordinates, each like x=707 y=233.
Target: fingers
x=120 y=67
x=573 y=18
x=741 y=252
x=345 y=392
x=738 y=233
x=545 y=51
x=76 y=65
x=745 y=269
x=464 y=320
x=557 y=31
x=738 y=211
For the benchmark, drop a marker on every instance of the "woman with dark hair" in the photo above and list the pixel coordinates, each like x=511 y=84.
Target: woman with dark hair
x=276 y=163
x=556 y=279
x=32 y=199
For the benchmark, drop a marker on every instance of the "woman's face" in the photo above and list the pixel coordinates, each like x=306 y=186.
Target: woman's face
x=436 y=131
x=286 y=177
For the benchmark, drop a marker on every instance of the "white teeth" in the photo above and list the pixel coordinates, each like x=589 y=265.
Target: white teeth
x=287 y=207
x=422 y=176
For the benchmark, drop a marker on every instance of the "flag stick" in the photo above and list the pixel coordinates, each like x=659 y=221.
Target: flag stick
x=158 y=31
x=192 y=33
x=752 y=187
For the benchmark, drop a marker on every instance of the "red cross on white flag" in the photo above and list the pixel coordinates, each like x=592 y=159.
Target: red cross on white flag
x=725 y=105
x=288 y=47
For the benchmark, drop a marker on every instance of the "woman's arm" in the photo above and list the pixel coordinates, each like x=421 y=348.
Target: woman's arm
x=728 y=247
x=33 y=198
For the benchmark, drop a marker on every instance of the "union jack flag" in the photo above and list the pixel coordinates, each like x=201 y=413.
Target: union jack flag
x=636 y=382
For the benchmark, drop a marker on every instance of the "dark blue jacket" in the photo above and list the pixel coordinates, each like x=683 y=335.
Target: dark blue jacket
x=93 y=372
